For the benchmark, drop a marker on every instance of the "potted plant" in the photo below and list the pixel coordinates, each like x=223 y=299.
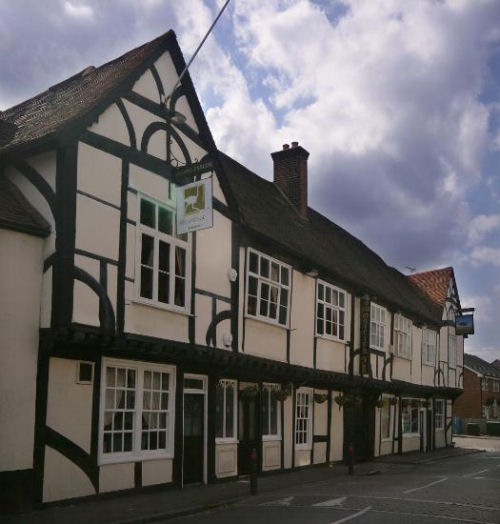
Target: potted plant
x=340 y=400
x=281 y=394
x=250 y=391
x=393 y=401
x=319 y=398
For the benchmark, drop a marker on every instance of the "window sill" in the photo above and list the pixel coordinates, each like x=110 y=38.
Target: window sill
x=123 y=459
x=303 y=447
x=411 y=435
x=409 y=359
x=220 y=440
x=163 y=307
x=271 y=438
x=429 y=364
x=387 y=439
x=378 y=348
x=332 y=339
x=267 y=321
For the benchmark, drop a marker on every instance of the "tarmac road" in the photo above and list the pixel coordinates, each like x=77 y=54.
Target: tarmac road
x=461 y=489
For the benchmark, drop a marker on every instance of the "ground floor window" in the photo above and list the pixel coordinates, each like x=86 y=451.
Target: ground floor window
x=137 y=404
x=271 y=411
x=225 y=410
x=385 y=419
x=303 y=420
x=410 y=416
x=439 y=414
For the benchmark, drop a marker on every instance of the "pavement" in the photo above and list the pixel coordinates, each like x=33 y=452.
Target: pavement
x=159 y=505
x=484 y=443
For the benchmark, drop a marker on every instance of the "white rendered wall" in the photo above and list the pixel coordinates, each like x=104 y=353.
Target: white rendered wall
x=302 y=319
x=63 y=479
x=69 y=404
x=21 y=266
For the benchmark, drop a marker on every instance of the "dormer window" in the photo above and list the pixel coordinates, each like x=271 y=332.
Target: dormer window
x=268 y=288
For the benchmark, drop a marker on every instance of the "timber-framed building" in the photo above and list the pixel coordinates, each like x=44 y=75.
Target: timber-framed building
x=133 y=355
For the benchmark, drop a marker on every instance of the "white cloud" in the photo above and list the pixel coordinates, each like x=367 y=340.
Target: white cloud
x=78 y=10
x=482 y=304
x=481 y=225
x=484 y=255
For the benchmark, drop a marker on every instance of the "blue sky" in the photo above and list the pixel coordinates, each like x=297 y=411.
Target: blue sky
x=398 y=103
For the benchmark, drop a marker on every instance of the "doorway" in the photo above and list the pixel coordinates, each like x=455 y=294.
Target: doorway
x=248 y=430
x=359 y=427
x=195 y=442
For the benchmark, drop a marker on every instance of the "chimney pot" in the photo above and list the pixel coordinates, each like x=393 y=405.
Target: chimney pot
x=295 y=144
x=285 y=147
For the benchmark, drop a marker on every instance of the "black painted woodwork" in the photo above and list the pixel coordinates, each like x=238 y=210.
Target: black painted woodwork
x=249 y=431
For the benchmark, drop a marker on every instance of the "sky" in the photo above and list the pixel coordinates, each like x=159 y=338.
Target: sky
x=397 y=101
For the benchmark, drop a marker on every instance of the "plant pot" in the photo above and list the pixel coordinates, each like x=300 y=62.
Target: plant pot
x=319 y=398
x=281 y=395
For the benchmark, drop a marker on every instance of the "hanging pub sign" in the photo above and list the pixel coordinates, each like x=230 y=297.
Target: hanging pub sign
x=194 y=206
x=464 y=324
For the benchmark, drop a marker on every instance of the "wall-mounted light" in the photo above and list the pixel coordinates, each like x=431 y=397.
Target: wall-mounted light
x=313 y=272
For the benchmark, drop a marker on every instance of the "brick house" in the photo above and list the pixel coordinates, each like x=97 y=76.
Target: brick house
x=480 y=400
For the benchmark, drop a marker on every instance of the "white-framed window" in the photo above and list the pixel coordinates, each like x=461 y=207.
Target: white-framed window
x=496 y=386
x=377 y=326
x=484 y=384
x=163 y=258
x=225 y=410
x=452 y=349
x=439 y=414
x=268 y=288
x=485 y=412
x=330 y=311
x=402 y=336
x=137 y=411
x=410 y=417
x=386 y=420
x=303 y=420
x=429 y=345
x=271 y=412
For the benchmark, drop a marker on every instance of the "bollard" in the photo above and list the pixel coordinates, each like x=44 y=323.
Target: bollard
x=253 y=472
x=350 y=458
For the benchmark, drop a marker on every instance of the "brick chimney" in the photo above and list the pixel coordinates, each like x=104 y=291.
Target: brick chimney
x=290 y=174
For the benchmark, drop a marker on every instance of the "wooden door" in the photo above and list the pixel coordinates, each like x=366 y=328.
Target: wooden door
x=359 y=418
x=194 y=437
x=248 y=432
